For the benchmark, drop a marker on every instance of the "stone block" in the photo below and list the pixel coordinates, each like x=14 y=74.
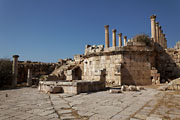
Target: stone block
x=115 y=91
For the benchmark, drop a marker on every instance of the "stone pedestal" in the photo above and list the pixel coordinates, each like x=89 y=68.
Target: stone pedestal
x=114 y=37
x=153 y=27
x=15 y=70
x=106 y=36
x=29 y=78
x=120 y=39
x=125 y=40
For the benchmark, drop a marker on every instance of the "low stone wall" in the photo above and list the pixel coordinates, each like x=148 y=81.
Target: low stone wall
x=74 y=87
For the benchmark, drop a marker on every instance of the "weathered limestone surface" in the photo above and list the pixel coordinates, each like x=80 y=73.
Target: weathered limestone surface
x=168 y=64
x=127 y=65
x=177 y=46
x=37 y=69
x=74 y=87
x=26 y=104
x=15 y=70
x=120 y=39
x=155 y=76
x=106 y=36
x=29 y=78
x=114 y=38
x=153 y=27
x=146 y=104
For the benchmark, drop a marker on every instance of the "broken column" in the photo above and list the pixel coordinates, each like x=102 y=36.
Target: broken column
x=29 y=78
x=120 y=39
x=157 y=32
x=15 y=70
x=153 y=27
x=125 y=40
x=114 y=37
x=106 y=36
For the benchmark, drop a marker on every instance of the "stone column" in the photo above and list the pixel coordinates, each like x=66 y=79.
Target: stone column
x=15 y=70
x=157 y=32
x=161 y=37
x=106 y=36
x=125 y=40
x=29 y=78
x=164 y=40
x=114 y=37
x=153 y=27
x=120 y=39
x=165 y=43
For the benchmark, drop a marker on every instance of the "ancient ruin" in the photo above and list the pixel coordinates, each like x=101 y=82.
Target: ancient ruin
x=136 y=79
x=142 y=60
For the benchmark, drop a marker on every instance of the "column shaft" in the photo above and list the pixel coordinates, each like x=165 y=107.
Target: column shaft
x=153 y=27
x=120 y=39
x=125 y=40
x=29 y=78
x=157 y=32
x=114 y=37
x=159 y=35
x=15 y=70
x=106 y=36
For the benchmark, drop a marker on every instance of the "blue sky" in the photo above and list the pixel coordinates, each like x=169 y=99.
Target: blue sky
x=47 y=30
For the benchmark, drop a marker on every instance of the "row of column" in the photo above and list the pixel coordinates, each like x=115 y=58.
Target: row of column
x=15 y=73
x=157 y=33
x=113 y=37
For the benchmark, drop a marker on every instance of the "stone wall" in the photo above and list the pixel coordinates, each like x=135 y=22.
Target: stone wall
x=168 y=64
x=136 y=69
x=123 y=65
x=37 y=68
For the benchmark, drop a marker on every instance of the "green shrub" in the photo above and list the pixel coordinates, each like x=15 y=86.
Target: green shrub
x=5 y=72
x=143 y=38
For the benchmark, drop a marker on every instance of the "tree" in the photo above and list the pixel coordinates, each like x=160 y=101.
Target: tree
x=5 y=72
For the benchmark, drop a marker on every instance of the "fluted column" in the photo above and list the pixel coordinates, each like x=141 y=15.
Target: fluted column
x=153 y=27
x=106 y=36
x=120 y=39
x=157 y=32
x=125 y=40
x=15 y=70
x=114 y=37
x=29 y=77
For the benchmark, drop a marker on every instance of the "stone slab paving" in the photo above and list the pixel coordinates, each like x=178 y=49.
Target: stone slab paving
x=25 y=104
x=149 y=104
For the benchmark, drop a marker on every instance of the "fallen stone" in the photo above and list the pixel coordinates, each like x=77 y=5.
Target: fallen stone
x=132 y=88
x=115 y=91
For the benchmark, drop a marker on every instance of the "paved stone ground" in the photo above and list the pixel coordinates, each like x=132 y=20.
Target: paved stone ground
x=149 y=104
x=25 y=104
